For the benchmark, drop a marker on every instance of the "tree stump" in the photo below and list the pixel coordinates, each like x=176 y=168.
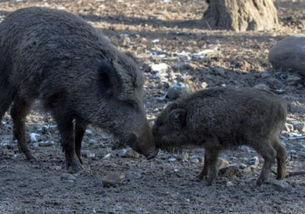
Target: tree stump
x=241 y=15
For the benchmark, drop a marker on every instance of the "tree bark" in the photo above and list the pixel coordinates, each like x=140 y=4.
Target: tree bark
x=241 y=15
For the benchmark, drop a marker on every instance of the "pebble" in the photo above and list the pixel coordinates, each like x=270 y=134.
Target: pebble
x=262 y=86
x=88 y=154
x=172 y=159
x=221 y=163
x=68 y=177
x=288 y=127
x=293 y=80
x=89 y=132
x=254 y=161
x=195 y=159
x=299 y=126
x=33 y=137
x=280 y=185
x=230 y=171
x=229 y=184
x=176 y=90
x=107 y=156
x=46 y=143
x=185 y=156
x=113 y=179
x=128 y=153
x=159 y=67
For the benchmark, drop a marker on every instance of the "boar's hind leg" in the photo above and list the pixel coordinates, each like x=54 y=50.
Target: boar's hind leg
x=80 y=129
x=67 y=132
x=204 y=171
x=281 y=156
x=19 y=111
x=6 y=98
x=211 y=161
x=265 y=149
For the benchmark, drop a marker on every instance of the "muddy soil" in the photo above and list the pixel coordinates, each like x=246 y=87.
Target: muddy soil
x=169 y=32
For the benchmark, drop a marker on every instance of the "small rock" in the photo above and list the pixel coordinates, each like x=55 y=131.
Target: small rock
x=230 y=171
x=172 y=159
x=113 y=179
x=299 y=126
x=280 y=185
x=155 y=41
x=128 y=153
x=229 y=184
x=182 y=66
x=33 y=137
x=46 y=143
x=262 y=86
x=68 y=177
x=204 y=85
x=57 y=168
x=221 y=163
x=288 y=54
x=254 y=161
x=195 y=159
x=88 y=154
x=219 y=71
x=177 y=90
x=159 y=67
x=89 y=132
x=107 y=156
x=288 y=127
x=247 y=169
x=185 y=156
x=293 y=80
x=242 y=166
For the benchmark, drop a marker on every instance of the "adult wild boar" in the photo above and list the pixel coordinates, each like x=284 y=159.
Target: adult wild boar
x=78 y=74
x=221 y=118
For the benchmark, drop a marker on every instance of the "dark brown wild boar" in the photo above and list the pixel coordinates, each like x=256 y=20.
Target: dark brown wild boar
x=78 y=74
x=221 y=118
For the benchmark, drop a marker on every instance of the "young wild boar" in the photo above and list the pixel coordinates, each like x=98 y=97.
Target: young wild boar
x=221 y=118
x=79 y=76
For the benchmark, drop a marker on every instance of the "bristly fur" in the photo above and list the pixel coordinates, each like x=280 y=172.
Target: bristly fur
x=222 y=118
x=78 y=73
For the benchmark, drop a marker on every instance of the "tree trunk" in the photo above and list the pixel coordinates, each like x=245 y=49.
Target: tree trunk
x=241 y=15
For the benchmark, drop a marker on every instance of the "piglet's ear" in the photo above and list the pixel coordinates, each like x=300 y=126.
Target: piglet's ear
x=109 y=80
x=178 y=117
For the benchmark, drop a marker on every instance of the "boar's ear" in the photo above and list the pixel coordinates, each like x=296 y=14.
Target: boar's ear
x=177 y=117
x=108 y=79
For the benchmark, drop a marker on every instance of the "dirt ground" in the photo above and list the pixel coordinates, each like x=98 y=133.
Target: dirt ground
x=169 y=32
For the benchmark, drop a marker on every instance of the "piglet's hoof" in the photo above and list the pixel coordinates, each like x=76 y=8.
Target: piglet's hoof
x=74 y=167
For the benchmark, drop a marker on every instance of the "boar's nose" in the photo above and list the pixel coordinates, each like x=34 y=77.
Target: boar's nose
x=152 y=154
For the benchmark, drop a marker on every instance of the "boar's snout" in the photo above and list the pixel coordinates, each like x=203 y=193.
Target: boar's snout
x=143 y=142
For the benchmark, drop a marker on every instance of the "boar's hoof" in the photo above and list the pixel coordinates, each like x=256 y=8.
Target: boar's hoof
x=74 y=167
x=152 y=154
x=30 y=157
x=260 y=181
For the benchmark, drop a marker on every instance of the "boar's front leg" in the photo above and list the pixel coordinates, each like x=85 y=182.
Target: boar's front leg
x=67 y=132
x=20 y=109
x=80 y=128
